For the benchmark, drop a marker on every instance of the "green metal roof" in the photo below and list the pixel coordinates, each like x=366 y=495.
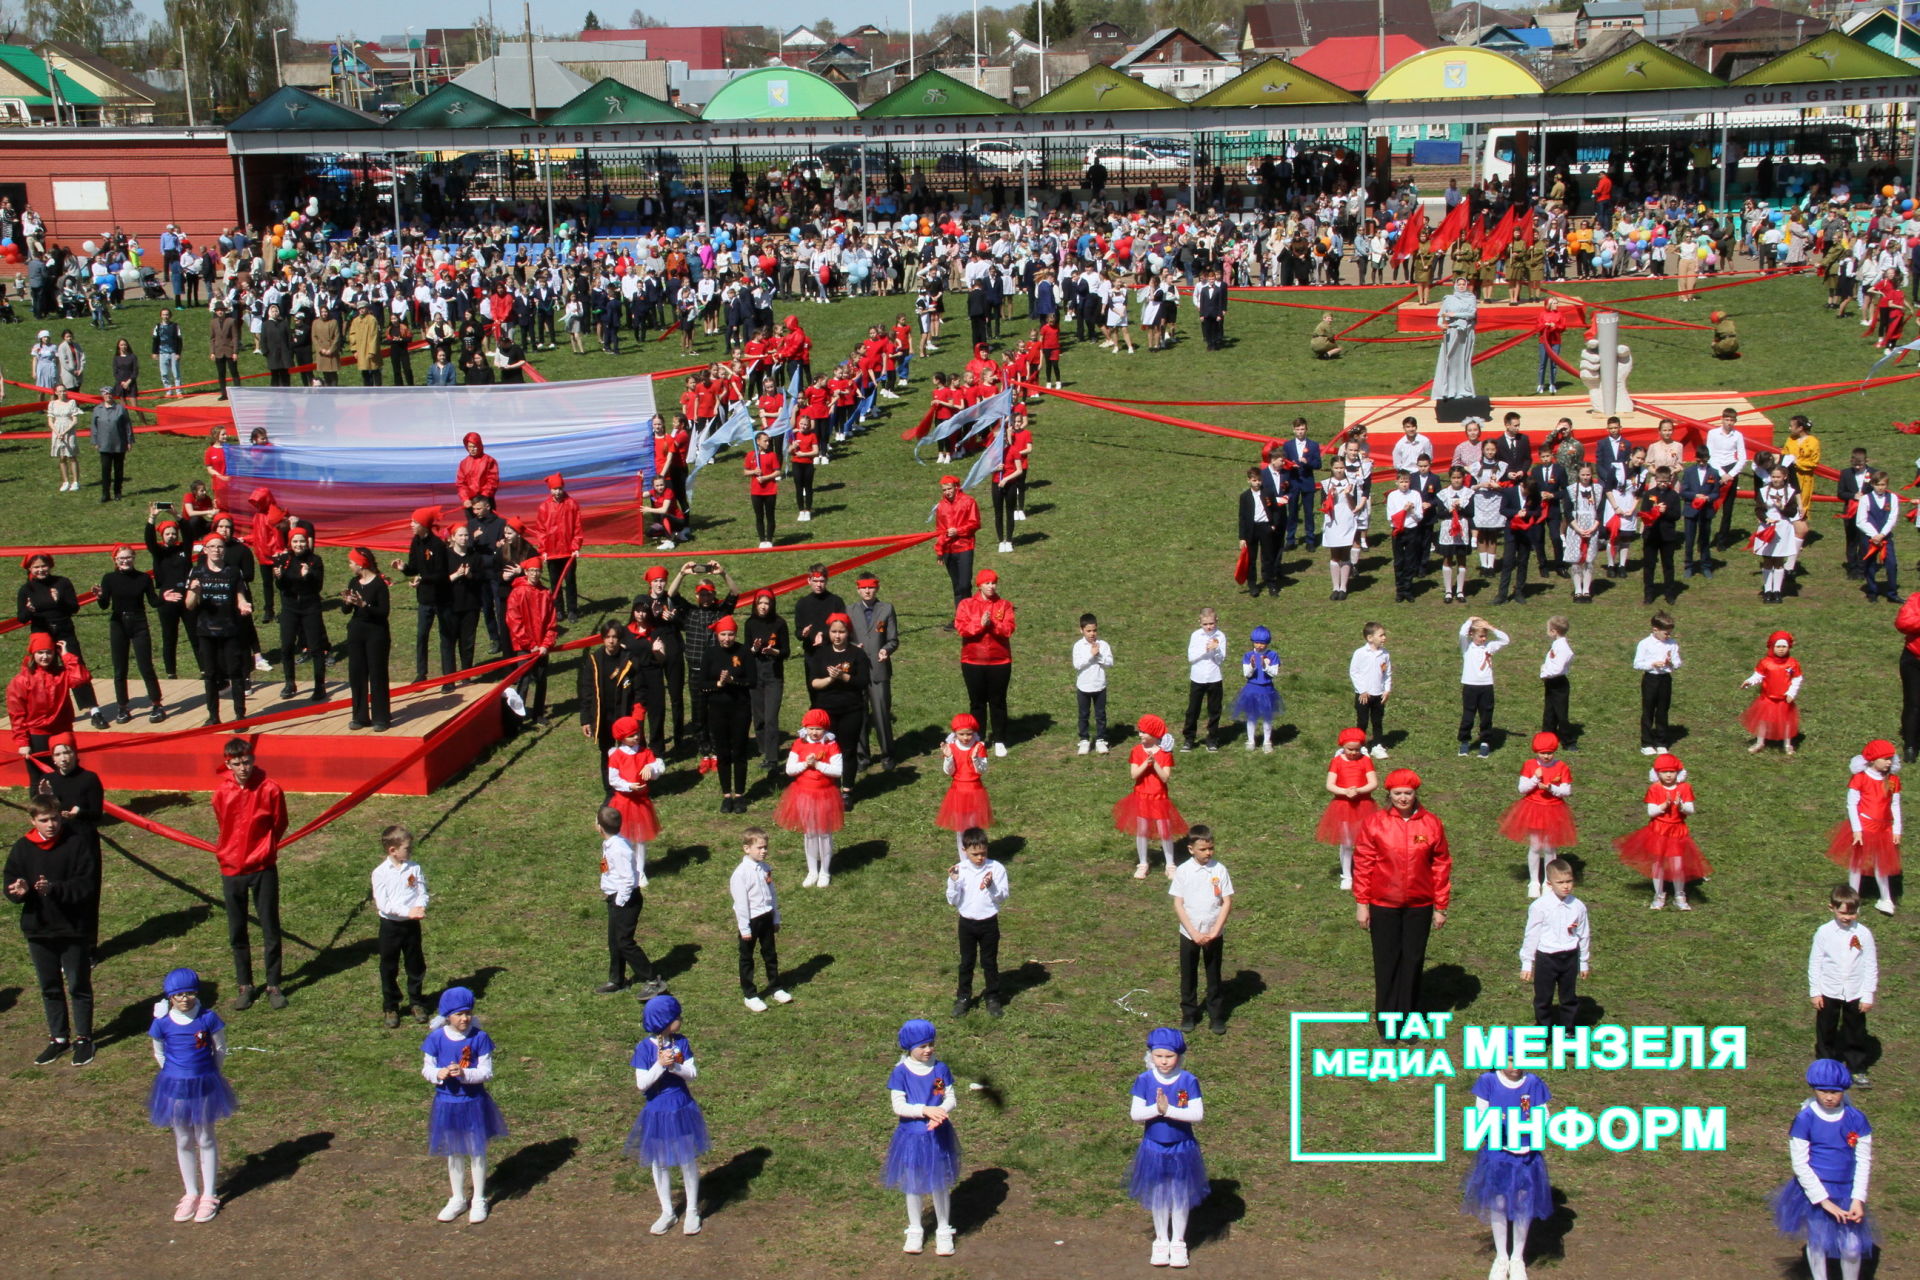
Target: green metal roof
x=1641 y=65
x=1275 y=83
x=453 y=107
x=1101 y=88
x=780 y=93
x=1828 y=56
x=291 y=110
x=935 y=93
x=32 y=68
x=607 y=101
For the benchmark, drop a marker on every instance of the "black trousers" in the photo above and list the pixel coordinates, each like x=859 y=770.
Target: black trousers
x=1726 y=516
x=987 y=695
x=264 y=888
x=675 y=685
x=536 y=681
x=1475 y=700
x=66 y=981
x=224 y=658
x=1909 y=699
x=766 y=717
x=400 y=940
x=1839 y=1031
x=763 y=931
x=1554 y=973
x=1656 y=697
x=959 y=572
x=226 y=369
x=1369 y=716
x=1214 y=330
x=979 y=943
x=424 y=618
x=1003 y=508
x=1263 y=557
x=1652 y=549
x=1517 y=543
x=310 y=628
x=847 y=727
x=368 y=651
x=730 y=728
x=465 y=628
x=1192 y=956
x=766 y=521
x=1399 y=937
x=623 y=951
x=1554 y=691
x=652 y=694
x=171 y=615
x=563 y=578
x=370 y=378
x=402 y=361
x=803 y=486
x=1409 y=557
x=275 y=378
x=1699 y=541
x=125 y=641
x=1096 y=703
x=1196 y=693
x=113 y=474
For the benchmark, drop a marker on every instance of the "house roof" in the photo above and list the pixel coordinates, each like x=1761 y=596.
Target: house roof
x=779 y=93
x=1885 y=32
x=1828 y=56
x=32 y=68
x=1154 y=41
x=507 y=82
x=1531 y=37
x=1613 y=9
x=1454 y=72
x=1277 y=25
x=1641 y=65
x=1353 y=62
x=1665 y=24
x=289 y=109
x=454 y=106
x=703 y=47
x=607 y=101
x=1465 y=17
x=935 y=93
x=1277 y=82
x=130 y=86
x=1757 y=22
x=1101 y=88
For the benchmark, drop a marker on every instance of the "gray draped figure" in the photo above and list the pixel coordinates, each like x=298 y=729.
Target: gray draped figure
x=1453 y=371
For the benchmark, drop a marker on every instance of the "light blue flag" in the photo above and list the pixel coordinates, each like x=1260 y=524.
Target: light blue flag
x=736 y=429
x=1893 y=353
x=968 y=420
x=988 y=462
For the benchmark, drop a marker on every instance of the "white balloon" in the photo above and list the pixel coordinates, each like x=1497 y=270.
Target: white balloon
x=88 y=246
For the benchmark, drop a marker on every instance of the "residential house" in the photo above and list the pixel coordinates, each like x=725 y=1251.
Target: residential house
x=631 y=62
x=1736 y=45
x=1176 y=62
x=1608 y=15
x=1881 y=30
x=1104 y=40
x=49 y=96
x=701 y=48
x=1664 y=26
x=1471 y=17
x=1289 y=28
x=124 y=97
x=1355 y=62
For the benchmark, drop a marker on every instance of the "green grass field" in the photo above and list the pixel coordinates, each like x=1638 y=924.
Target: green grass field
x=1133 y=521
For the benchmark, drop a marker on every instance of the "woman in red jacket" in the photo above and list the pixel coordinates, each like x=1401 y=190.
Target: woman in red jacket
x=1402 y=882
x=40 y=698
x=986 y=623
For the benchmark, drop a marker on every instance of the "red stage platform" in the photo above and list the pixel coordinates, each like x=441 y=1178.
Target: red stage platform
x=1414 y=318
x=316 y=755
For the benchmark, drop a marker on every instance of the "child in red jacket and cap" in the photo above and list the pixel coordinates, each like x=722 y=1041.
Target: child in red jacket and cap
x=557 y=530
x=251 y=811
x=532 y=628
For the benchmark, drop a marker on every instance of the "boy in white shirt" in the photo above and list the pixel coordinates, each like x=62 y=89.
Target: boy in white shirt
x=1479 y=641
x=1558 y=939
x=400 y=896
x=1206 y=655
x=1202 y=894
x=1092 y=656
x=756 y=917
x=1656 y=658
x=1555 y=687
x=1370 y=671
x=1404 y=509
x=620 y=886
x=977 y=888
x=1843 y=974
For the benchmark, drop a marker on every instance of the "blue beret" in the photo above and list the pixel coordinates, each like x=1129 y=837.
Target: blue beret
x=179 y=980
x=1262 y=636
x=1828 y=1073
x=661 y=1012
x=916 y=1031
x=1166 y=1038
x=454 y=999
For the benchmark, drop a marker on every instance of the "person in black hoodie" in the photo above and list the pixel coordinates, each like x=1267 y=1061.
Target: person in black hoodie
x=49 y=873
x=727 y=675
x=645 y=644
x=82 y=800
x=663 y=618
x=426 y=570
x=767 y=640
x=172 y=559
x=221 y=603
x=240 y=556
x=470 y=572
x=811 y=611
x=487 y=529
x=46 y=602
x=837 y=676
x=125 y=593
x=302 y=576
x=606 y=690
x=369 y=642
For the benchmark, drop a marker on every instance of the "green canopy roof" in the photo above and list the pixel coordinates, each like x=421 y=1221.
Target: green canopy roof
x=1101 y=88
x=1829 y=56
x=291 y=110
x=780 y=93
x=1641 y=65
x=935 y=93
x=1275 y=83
x=607 y=101
x=453 y=107
x=29 y=66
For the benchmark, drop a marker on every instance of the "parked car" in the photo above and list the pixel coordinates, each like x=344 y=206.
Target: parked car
x=1003 y=153
x=1130 y=157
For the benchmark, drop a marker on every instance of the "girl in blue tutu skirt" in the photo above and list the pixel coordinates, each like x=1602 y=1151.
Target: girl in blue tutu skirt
x=670 y=1129
x=1507 y=1187
x=924 y=1157
x=1831 y=1146
x=1259 y=702
x=1168 y=1176
x=457 y=1060
x=190 y=1095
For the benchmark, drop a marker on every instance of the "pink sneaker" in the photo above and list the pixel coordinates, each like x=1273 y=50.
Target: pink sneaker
x=183 y=1212
x=209 y=1205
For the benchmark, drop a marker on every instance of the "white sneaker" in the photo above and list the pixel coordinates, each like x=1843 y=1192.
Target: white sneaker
x=1658 y=904
x=1498 y=1271
x=1159 y=1255
x=479 y=1211
x=1100 y=745
x=454 y=1208
x=1516 y=1269
x=764 y=544
x=812 y=878
x=662 y=1223
x=1000 y=749
x=260 y=662
x=803 y=517
x=1177 y=1253
x=1346 y=882
x=1680 y=904
x=756 y=1004
x=1883 y=906
x=916 y=1237
x=1019 y=515
x=1140 y=872
x=1006 y=547
x=1533 y=890
x=943 y=1242
x=690 y=1225
x=669 y=545
x=783 y=997
x=825 y=880
x=1266 y=748
x=1378 y=752
x=1648 y=751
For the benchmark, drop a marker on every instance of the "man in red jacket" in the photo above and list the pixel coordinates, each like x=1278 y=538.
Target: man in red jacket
x=532 y=628
x=40 y=699
x=478 y=473
x=956 y=518
x=251 y=811
x=557 y=530
x=986 y=624
x=1402 y=881
x=1907 y=621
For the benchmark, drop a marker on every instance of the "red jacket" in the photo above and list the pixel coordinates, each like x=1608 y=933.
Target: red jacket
x=557 y=527
x=1402 y=862
x=477 y=476
x=1907 y=622
x=40 y=701
x=985 y=627
x=267 y=540
x=959 y=513
x=252 y=819
x=531 y=623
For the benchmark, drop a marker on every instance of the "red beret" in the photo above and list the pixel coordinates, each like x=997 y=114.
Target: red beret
x=723 y=624
x=556 y=481
x=815 y=719
x=354 y=557
x=38 y=641
x=985 y=575
x=530 y=566
x=949 y=479
x=26 y=561
x=1778 y=636
x=965 y=721
x=1546 y=743
x=63 y=740
x=428 y=516
x=626 y=727
x=1667 y=762
x=1351 y=735
x=1152 y=726
x=656 y=573
x=1878 y=749
x=1403 y=778
x=838 y=617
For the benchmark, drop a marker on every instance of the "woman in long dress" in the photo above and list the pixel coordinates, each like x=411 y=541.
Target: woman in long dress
x=1453 y=370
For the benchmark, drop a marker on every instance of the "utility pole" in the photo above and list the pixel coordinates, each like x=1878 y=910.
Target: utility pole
x=186 y=77
x=1040 y=16
x=279 y=76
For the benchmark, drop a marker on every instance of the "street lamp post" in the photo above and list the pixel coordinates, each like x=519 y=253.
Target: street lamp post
x=279 y=76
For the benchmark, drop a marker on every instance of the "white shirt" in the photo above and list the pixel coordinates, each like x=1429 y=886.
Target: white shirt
x=1406 y=453
x=1657 y=655
x=1408 y=502
x=1090 y=663
x=1476 y=660
x=1371 y=671
x=752 y=888
x=1839 y=970
x=979 y=891
x=1559 y=658
x=1206 y=650
x=1202 y=890
x=398 y=887
x=1726 y=451
x=619 y=868
x=1554 y=926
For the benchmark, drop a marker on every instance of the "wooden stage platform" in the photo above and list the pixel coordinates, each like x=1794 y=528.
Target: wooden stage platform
x=315 y=754
x=1411 y=317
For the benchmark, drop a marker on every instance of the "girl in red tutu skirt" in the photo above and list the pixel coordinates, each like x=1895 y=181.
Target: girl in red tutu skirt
x=630 y=768
x=1869 y=840
x=1541 y=817
x=963 y=757
x=1664 y=850
x=1147 y=812
x=1351 y=780
x=811 y=802
x=1774 y=714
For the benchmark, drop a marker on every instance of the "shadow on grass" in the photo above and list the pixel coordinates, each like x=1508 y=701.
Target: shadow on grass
x=478 y=981
x=675 y=860
x=1548 y=1237
x=1448 y=986
x=136 y=1018
x=330 y=962
x=1006 y=848
x=678 y=961
x=168 y=924
x=874 y=785
x=1016 y=982
x=730 y=1182
x=530 y=1166
x=1213 y=1218
x=9 y=997
x=1242 y=988
x=807 y=972
x=977 y=1198
x=276 y=1164
x=856 y=856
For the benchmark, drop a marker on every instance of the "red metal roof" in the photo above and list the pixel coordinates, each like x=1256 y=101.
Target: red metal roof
x=1353 y=62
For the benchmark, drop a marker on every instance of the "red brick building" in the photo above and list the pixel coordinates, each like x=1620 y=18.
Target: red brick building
x=84 y=181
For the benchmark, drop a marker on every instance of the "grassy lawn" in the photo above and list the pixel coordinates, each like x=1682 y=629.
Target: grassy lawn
x=1133 y=521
